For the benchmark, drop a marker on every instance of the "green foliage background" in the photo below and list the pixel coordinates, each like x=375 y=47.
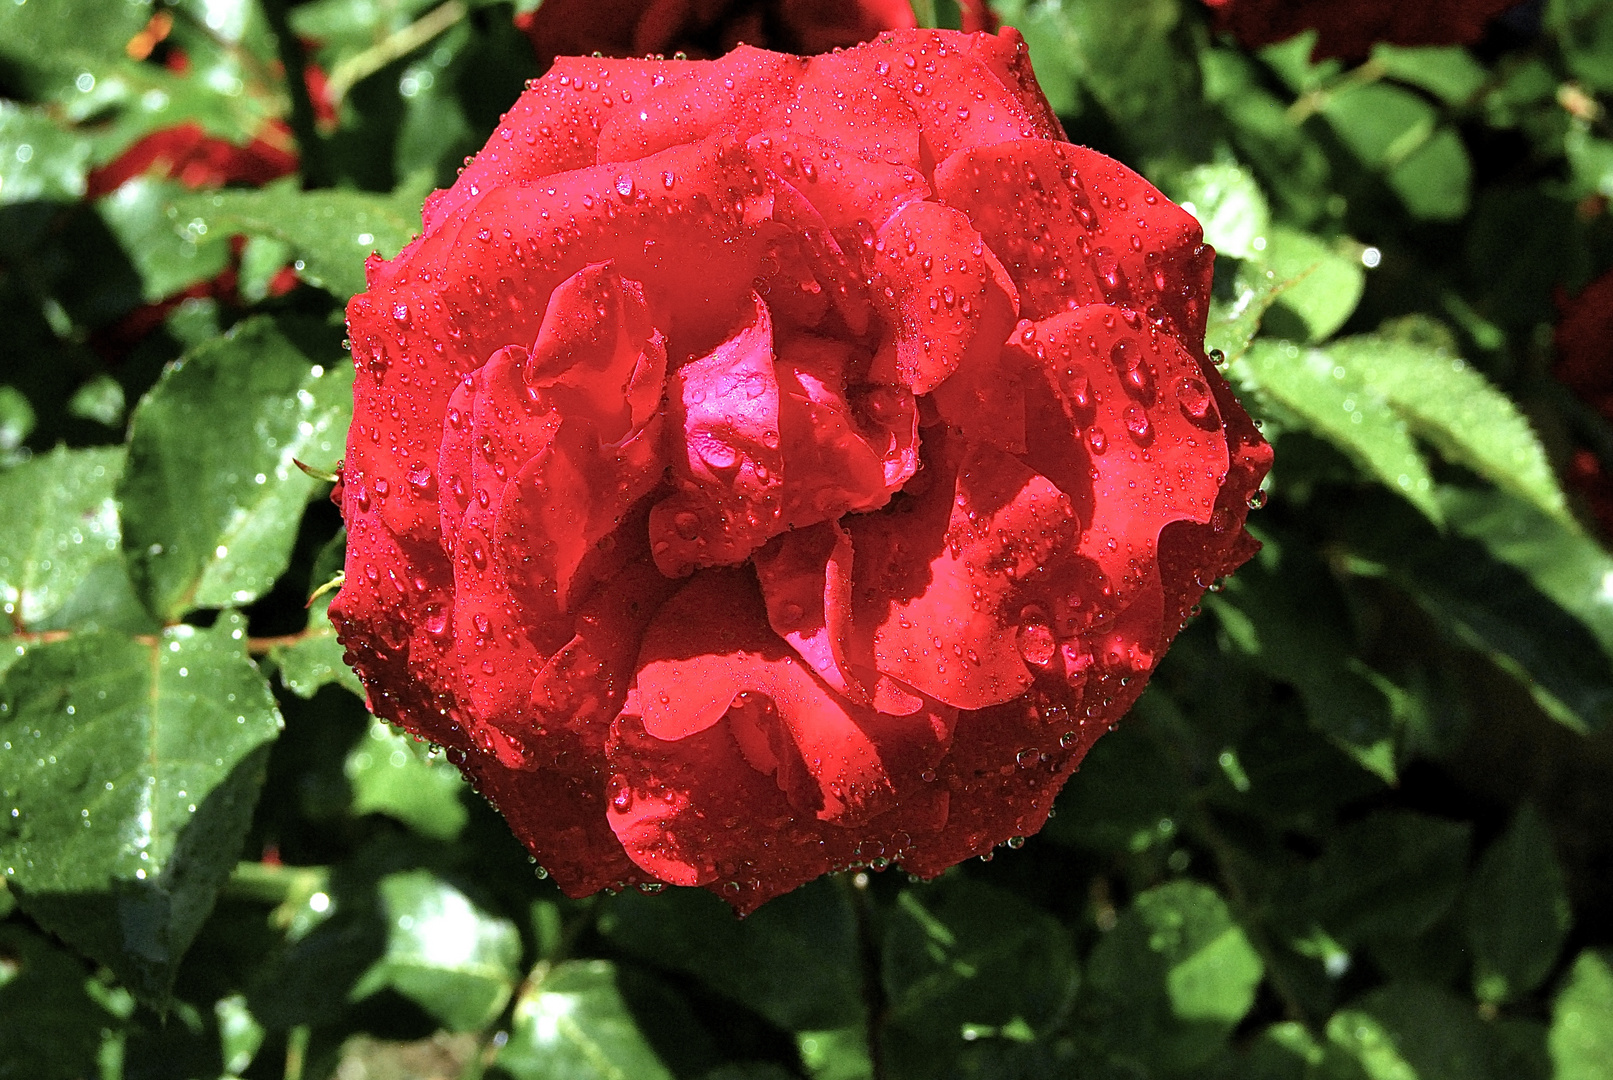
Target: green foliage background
x=1358 y=829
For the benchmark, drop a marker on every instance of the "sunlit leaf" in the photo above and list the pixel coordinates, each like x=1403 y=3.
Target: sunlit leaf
x=212 y=496
x=131 y=768
x=453 y=959
x=572 y=1024
x=60 y=521
x=1517 y=911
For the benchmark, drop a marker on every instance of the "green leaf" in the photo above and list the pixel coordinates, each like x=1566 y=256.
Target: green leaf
x=1284 y=611
x=315 y=658
x=1380 y=124
x=1584 y=29
x=1172 y=979
x=1490 y=605
x=1591 y=160
x=960 y=954
x=1447 y=71
x=1454 y=407
x=168 y=257
x=794 y=961
x=1326 y=286
x=39 y=160
x=1391 y=875
x=571 y=1023
x=53 y=1025
x=1128 y=800
x=99 y=399
x=1341 y=407
x=1409 y=1032
x=1052 y=44
x=1517 y=911
x=130 y=769
x=47 y=43
x=1290 y=162
x=841 y=1054
x=329 y=232
x=211 y=496
x=1557 y=558
x=1127 y=57
x=393 y=774
x=1581 y=1039
x=61 y=521
x=1229 y=204
x=443 y=952
x=1397 y=133
x=17 y=421
x=1435 y=180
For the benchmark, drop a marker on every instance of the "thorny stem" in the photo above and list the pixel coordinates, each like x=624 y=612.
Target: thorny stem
x=1314 y=101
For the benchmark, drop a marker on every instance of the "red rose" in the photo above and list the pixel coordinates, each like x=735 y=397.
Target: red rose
x=768 y=465
x=1350 y=29
x=703 y=28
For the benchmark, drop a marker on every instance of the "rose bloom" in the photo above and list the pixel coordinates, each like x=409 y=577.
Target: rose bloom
x=771 y=465
x=705 y=28
x=1349 y=28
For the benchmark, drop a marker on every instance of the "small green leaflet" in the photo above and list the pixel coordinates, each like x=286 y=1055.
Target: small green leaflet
x=1517 y=911
x=1327 y=398
x=1172 y=979
x=1452 y=406
x=394 y=774
x=1581 y=1040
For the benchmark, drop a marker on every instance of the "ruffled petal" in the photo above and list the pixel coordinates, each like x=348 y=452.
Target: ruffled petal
x=805 y=577
x=933 y=575
x=1075 y=228
x=1149 y=431
x=729 y=468
x=952 y=302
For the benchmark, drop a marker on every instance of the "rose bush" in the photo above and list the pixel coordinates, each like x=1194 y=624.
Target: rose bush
x=768 y=465
x=1349 y=30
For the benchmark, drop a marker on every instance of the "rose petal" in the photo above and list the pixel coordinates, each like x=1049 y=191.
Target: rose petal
x=711 y=643
x=959 y=100
x=1074 y=228
x=1138 y=401
x=838 y=460
x=729 y=468
x=805 y=577
x=847 y=188
x=597 y=354
x=694 y=102
x=582 y=686
x=551 y=127
x=932 y=574
x=953 y=303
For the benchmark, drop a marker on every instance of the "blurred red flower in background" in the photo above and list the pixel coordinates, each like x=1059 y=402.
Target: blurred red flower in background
x=1349 y=28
